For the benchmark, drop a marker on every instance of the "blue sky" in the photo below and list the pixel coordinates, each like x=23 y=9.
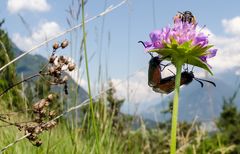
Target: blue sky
x=125 y=26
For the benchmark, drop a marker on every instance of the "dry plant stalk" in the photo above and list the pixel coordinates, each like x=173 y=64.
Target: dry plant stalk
x=54 y=70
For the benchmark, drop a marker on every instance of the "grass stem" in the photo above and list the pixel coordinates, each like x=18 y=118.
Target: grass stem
x=88 y=78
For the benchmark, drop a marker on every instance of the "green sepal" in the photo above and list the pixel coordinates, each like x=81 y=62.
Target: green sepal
x=195 y=61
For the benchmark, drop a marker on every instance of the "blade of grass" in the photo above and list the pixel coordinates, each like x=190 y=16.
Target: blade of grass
x=88 y=78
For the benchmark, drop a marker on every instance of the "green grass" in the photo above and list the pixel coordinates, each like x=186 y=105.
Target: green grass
x=63 y=139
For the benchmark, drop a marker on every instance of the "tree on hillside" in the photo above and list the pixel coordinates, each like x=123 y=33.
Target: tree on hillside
x=229 y=123
x=13 y=99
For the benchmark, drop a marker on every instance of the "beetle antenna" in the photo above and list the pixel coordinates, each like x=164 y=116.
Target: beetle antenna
x=150 y=54
x=206 y=81
x=172 y=72
x=164 y=66
x=202 y=28
x=145 y=47
x=199 y=81
x=142 y=43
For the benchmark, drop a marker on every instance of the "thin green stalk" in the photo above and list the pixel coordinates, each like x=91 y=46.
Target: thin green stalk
x=178 y=66
x=88 y=77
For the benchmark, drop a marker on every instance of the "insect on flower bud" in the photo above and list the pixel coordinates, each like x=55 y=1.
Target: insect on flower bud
x=71 y=66
x=64 y=44
x=55 y=45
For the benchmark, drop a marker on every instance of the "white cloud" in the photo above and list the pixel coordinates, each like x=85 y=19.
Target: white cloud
x=15 y=6
x=228 y=55
x=232 y=26
x=39 y=34
x=140 y=92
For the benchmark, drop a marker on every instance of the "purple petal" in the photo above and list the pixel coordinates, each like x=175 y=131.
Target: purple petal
x=203 y=58
x=155 y=35
x=213 y=53
x=147 y=44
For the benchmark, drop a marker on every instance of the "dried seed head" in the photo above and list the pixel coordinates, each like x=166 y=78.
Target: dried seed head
x=50 y=97
x=55 y=45
x=57 y=74
x=32 y=137
x=39 y=105
x=42 y=113
x=51 y=70
x=50 y=124
x=38 y=120
x=46 y=103
x=56 y=63
x=52 y=113
x=52 y=58
x=64 y=44
x=67 y=61
x=71 y=66
x=38 y=143
x=38 y=130
x=62 y=59
x=65 y=79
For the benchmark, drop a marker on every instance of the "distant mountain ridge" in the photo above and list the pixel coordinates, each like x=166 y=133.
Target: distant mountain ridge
x=28 y=64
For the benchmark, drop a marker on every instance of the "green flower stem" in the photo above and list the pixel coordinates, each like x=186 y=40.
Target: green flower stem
x=178 y=66
x=88 y=78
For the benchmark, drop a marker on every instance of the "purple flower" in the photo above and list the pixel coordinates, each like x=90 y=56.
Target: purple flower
x=181 y=32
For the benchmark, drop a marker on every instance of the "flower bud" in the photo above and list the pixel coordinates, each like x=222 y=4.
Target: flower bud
x=64 y=44
x=55 y=45
x=71 y=66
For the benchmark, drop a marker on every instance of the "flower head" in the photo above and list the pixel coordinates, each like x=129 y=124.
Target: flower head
x=182 y=40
